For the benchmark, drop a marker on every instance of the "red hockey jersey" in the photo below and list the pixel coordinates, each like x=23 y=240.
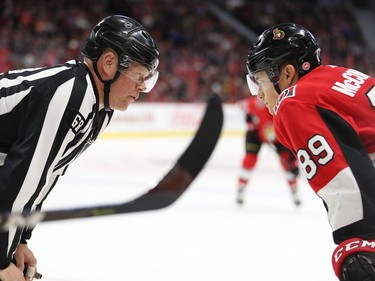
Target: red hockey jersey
x=328 y=120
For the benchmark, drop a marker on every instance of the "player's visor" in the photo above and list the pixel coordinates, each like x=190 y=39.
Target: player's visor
x=259 y=82
x=252 y=84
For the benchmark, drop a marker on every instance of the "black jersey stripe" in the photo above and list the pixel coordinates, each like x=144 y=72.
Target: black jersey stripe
x=37 y=108
x=362 y=169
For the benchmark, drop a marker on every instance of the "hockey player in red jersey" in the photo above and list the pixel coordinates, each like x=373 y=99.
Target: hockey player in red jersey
x=326 y=116
x=259 y=132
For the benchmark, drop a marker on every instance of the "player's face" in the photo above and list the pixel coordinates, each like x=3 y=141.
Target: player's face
x=266 y=92
x=127 y=88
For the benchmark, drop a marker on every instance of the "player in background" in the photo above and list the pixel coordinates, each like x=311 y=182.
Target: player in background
x=326 y=116
x=50 y=115
x=260 y=132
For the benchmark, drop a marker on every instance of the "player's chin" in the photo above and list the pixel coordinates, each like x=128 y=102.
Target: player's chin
x=121 y=107
x=124 y=103
x=271 y=110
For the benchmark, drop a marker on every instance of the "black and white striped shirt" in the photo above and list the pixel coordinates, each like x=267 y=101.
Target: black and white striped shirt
x=48 y=116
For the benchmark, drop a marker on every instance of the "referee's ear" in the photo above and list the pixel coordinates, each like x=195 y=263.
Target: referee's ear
x=108 y=64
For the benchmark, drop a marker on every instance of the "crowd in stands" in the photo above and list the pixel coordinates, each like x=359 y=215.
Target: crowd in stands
x=331 y=21
x=200 y=54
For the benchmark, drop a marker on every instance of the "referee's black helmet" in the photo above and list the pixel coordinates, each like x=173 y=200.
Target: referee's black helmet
x=127 y=37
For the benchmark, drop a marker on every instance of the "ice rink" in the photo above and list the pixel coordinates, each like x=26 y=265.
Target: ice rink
x=204 y=236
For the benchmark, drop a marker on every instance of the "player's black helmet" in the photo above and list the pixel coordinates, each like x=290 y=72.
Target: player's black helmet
x=127 y=37
x=280 y=44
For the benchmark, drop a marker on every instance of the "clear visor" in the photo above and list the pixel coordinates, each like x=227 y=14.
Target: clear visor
x=150 y=81
x=147 y=82
x=259 y=82
x=252 y=84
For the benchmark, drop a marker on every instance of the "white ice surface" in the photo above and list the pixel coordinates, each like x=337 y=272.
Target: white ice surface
x=204 y=236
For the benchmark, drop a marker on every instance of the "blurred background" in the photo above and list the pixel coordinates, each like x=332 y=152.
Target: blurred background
x=203 y=44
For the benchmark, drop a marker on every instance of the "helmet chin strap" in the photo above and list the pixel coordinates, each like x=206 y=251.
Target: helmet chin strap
x=107 y=86
x=277 y=88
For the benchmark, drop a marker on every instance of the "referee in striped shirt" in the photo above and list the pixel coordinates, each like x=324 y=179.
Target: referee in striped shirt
x=50 y=115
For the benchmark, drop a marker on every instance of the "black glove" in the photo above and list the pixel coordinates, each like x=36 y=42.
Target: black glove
x=358 y=267
x=354 y=260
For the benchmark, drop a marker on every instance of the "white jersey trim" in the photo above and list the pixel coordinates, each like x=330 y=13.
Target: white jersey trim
x=343 y=199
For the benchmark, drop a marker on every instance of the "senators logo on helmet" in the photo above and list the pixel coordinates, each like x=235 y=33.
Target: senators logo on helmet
x=278 y=34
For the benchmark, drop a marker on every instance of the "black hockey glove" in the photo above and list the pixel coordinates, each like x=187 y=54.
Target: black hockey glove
x=358 y=267
x=354 y=260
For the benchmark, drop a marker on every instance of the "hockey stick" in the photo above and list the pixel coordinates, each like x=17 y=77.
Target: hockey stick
x=167 y=191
